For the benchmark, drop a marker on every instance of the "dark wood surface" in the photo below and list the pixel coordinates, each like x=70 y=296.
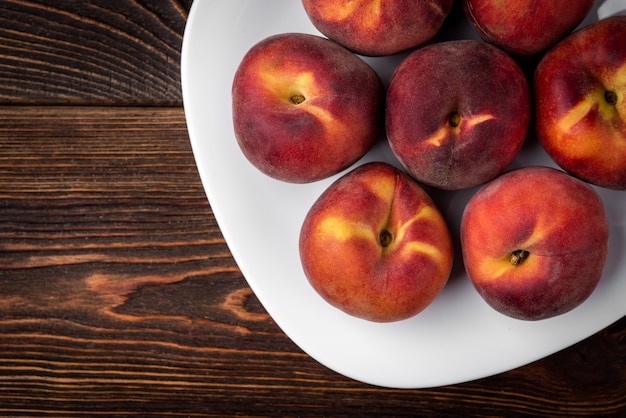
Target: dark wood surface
x=118 y=294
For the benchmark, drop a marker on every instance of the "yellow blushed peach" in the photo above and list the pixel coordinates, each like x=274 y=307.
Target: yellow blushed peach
x=375 y=245
x=534 y=242
x=580 y=103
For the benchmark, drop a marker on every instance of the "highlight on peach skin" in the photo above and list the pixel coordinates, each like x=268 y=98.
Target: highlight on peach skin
x=580 y=103
x=378 y=28
x=304 y=107
x=375 y=246
x=534 y=242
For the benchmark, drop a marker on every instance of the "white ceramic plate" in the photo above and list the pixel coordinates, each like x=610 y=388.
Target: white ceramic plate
x=456 y=339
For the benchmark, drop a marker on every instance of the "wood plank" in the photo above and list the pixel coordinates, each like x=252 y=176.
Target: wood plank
x=91 y=52
x=118 y=295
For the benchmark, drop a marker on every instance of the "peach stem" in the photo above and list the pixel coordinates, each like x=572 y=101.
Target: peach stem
x=385 y=238
x=610 y=97
x=454 y=120
x=297 y=99
x=518 y=257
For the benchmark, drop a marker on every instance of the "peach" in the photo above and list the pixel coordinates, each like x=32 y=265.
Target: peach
x=375 y=246
x=534 y=242
x=457 y=113
x=580 y=103
x=378 y=28
x=525 y=27
x=305 y=108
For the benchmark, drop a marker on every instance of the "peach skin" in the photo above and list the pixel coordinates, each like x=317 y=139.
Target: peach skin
x=525 y=27
x=380 y=27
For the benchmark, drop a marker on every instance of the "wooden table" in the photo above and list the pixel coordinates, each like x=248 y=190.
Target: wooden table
x=118 y=294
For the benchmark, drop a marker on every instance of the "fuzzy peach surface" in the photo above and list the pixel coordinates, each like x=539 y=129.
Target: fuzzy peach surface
x=344 y=260
x=559 y=220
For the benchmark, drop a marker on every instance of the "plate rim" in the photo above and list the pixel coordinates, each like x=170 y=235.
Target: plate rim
x=213 y=197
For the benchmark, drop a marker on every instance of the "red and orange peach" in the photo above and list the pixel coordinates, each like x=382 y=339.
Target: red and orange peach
x=580 y=103
x=525 y=27
x=375 y=246
x=535 y=242
x=305 y=108
x=381 y=27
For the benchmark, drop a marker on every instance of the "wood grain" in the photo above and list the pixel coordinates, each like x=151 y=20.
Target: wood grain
x=85 y=52
x=118 y=294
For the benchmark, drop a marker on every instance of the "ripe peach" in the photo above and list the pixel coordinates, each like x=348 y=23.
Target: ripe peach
x=525 y=27
x=305 y=108
x=457 y=113
x=534 y=242
x=580 y=103
x=378 y=28
x=375 y=245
